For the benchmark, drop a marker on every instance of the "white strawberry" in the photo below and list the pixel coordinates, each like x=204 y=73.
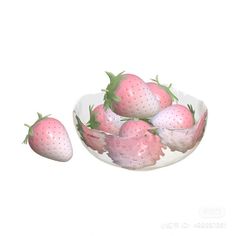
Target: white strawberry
x=163 y=93
x=136 y=147
x=104 y=120
x=135 y=152
x=128 y=95
x=174 y=117
x=134 y=128
x=183 y=140
x=49 y=138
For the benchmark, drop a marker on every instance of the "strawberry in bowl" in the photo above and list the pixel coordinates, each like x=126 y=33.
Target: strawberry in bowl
x=135 y=147
x=177 y=127
x=104 y=119
x=128 y=95
x=162 y=92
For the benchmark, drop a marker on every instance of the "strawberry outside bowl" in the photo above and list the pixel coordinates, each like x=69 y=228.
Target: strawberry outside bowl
x=150 y=151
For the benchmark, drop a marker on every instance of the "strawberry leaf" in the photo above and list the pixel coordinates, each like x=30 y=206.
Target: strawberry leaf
x=30 y=131
x=153 y=131
x=92 y=123
x=79 y=127
x=126 y=119
x=110 y=96
x=190 y=107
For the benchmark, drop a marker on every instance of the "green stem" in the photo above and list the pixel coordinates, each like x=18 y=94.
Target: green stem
x=153 y=130
x=190 y=107
x=166 y=88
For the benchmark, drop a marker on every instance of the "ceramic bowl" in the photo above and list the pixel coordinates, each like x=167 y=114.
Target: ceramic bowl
x=143 y=153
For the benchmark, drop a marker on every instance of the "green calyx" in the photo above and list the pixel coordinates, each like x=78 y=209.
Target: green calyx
x=110 y=92
x=79 y=127
x=92 y=123
x=30 y=131
x=153 y=131
x=190 y=107
x=136 y=119
x=166 y=88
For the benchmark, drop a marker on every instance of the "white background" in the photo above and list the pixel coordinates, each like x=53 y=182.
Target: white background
x=53 y=52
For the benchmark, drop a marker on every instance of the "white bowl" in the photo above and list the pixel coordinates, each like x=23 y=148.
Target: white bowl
x=178 y=143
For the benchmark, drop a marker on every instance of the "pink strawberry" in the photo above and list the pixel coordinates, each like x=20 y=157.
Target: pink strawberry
x=183 y=140
x=104 y=120
x=174 y=117
x=134 y=152
x=136 y=147
x=162 y=93
x=134 y=128
x=128 y=95
x=92 y=138
x=48 y=138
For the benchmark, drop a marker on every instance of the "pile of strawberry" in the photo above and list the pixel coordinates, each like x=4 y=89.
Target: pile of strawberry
x=132 y=115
